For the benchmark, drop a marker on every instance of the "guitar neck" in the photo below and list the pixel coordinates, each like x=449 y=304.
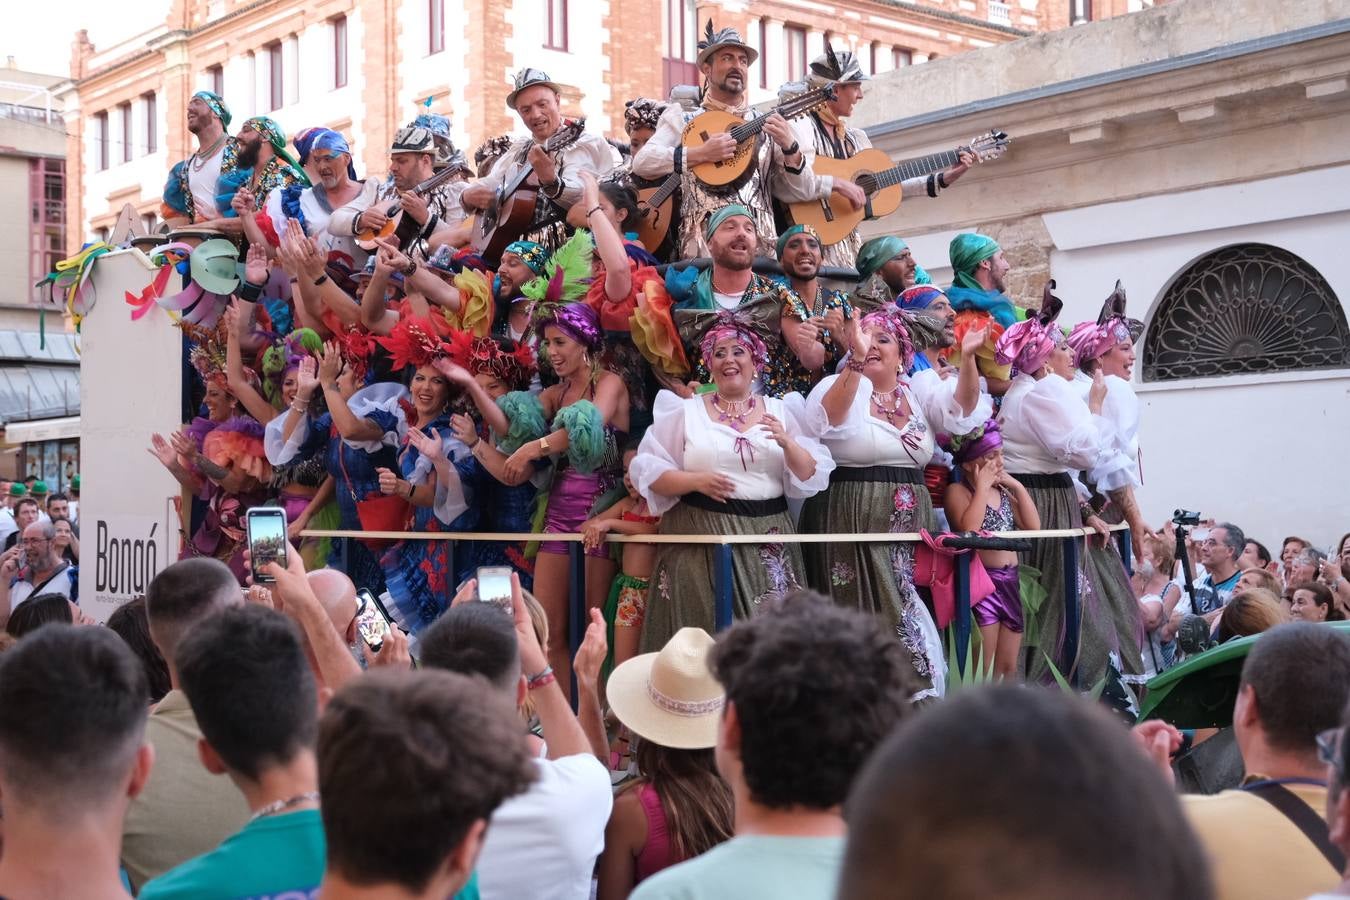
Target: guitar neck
x=665 y=190
x=916 y=168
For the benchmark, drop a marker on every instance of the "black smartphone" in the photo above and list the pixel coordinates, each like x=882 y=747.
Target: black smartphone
x=494 y=586
x=372 y=620
x=266 y=528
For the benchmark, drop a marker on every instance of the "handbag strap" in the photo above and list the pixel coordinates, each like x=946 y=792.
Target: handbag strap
x=342 y=464
x=1303 y=816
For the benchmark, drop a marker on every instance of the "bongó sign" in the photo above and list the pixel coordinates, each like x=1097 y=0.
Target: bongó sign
x=129 y=552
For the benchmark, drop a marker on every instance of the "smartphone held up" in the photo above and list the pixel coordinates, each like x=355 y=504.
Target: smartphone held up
x=372 y=620
x=494 y=586
x=266 y=528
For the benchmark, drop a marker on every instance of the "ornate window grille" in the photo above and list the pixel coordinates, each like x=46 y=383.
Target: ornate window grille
x=1245 y=309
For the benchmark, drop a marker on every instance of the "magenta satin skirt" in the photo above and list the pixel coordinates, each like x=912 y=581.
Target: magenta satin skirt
x=1004 y=605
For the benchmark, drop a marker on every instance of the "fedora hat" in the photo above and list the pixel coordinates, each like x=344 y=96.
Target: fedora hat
x=669 y=697
x=728 y=37
x=528 y=78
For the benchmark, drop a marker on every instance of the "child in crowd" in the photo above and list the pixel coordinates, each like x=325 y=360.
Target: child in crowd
x=627 y=603
x=989 y=499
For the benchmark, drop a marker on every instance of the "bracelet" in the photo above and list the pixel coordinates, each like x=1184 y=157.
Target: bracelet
x=321 y=279
x=249 y=291
x=792 y=149
x=593 y=210
x=410 y=269
x=299 y=405
x=854 y=365
x=942 y=180
x=540 y=679
x=677 y=163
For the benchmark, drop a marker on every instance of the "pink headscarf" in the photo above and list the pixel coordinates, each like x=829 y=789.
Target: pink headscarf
x=894 y=324
x=728 y=326
x=1029 y=343
x=1090 y=340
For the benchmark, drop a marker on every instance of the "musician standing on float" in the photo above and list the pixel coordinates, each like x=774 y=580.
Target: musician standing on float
x=412 y=158
x=781 y=168
x=558 y=168
x=832 y=137
x=192 y=189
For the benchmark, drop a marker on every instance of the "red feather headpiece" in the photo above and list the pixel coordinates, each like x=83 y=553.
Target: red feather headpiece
x=511 y=362
x=413 y=342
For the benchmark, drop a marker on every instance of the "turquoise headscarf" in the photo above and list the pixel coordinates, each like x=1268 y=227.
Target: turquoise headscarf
x=273 y=134
x=217 y=106
x=787 y=236
x=875 y=253
x=726 y=212
x=967 y=251
x=533 y=255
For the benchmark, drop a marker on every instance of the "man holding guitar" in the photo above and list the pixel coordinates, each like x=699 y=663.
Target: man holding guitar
x=556 y=152
x=780 y=168
x=832 y=138
x=411 y=160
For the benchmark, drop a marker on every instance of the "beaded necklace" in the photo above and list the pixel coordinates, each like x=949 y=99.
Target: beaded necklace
x=735 y=411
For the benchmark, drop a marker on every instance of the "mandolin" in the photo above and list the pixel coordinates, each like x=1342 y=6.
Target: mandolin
x=510 y=216
x=880 y=180
x=656 y=208
x=403 y=228
x=715 y=121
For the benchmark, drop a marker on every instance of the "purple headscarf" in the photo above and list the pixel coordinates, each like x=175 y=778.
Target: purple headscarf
x=728 y=326
x=982 y=441
x=576 y=320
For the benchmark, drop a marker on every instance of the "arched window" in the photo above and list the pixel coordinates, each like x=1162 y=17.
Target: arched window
x=1244 y=309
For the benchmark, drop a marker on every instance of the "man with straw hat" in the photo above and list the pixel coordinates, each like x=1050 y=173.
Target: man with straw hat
x=811 y=689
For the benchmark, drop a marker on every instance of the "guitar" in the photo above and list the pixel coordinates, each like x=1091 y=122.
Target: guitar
x=714 y=121
x=403 y=228
x=656 y=208
x=511 y=213
x=872 y=171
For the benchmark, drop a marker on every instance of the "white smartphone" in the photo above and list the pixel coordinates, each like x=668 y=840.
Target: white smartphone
x=494 y=585
x=266 y=528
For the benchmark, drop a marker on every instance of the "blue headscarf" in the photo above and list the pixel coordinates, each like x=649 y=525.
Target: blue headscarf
x=325 y=139
x=217 y=106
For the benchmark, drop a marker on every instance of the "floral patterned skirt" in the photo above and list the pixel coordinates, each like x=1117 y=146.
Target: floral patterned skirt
x=873 y=577
x=681 y=592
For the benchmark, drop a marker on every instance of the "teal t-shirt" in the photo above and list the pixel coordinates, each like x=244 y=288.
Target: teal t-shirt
x=271 y=857
x=752 y=867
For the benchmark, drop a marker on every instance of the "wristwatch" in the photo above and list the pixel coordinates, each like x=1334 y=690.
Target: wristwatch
x=544 y=447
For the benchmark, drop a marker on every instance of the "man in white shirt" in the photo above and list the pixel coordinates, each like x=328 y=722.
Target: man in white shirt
x=45 y=572
x=541 y=844
x=190 y=194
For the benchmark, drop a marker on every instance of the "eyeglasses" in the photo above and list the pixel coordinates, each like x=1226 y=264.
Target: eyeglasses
x=1329 y=748
x=30 y=541
x=1209 y=542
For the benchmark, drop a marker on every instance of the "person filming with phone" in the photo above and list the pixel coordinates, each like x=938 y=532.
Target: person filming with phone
x=33 y=566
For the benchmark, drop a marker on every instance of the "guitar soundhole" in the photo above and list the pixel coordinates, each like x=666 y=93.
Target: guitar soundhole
x=867 y=181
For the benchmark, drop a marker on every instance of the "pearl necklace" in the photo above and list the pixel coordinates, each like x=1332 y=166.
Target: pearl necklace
x=736 y=411
x=891 y=411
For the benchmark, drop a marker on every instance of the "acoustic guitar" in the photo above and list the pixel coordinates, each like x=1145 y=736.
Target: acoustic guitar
x=404 y=229
x=511 y=213
x=715 y=121
x=879 y=179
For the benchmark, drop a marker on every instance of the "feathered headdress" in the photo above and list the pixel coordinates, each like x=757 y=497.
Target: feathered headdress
x=510 y=362
x=356 y=345
x=566 y=275
x=284 y=355
x=413 y=342
x=835 y=68
x=207 y=355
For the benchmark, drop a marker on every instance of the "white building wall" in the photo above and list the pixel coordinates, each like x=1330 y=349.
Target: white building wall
x=419 y=72
x=1282 y=435
x=584 y=63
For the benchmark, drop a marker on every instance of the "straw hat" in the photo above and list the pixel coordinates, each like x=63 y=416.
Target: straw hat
x=670 y=698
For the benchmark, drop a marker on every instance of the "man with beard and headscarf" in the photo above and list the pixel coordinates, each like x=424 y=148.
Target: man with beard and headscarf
x=781 y=169
x=263 y=166
x=979 y=296
x=813 y=316
x=886 y=267
x=193 y=187
x=832 y=137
